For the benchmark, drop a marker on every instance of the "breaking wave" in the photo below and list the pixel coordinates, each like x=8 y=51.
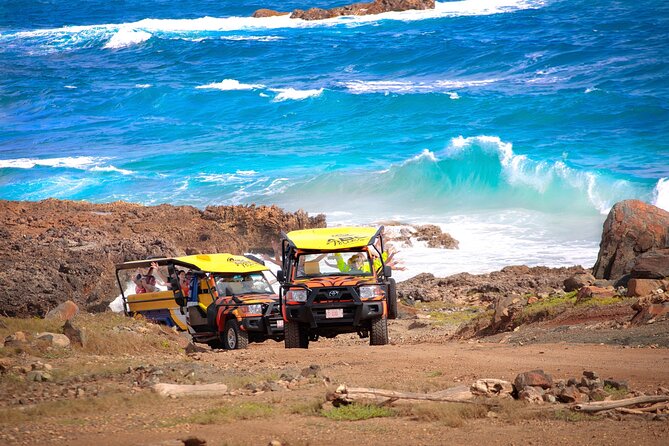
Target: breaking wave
x=123 y=35
x=88 y=163
x=474 y=173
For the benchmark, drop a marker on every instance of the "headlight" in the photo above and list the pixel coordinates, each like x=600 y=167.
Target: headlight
x=252 y=309
x=370 y=291
x=296 y=296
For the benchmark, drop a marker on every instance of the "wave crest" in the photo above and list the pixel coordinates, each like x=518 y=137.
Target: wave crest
x=127 y=37
x=470 y=174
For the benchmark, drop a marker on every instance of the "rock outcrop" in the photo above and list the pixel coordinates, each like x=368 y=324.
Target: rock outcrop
x=465 y=288
x=631 y=229
x=53 y=251
x=375 y=7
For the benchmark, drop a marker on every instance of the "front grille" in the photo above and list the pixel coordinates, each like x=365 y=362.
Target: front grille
x=325 y=295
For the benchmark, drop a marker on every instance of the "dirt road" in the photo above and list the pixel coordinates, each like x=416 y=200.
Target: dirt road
x=256 y=413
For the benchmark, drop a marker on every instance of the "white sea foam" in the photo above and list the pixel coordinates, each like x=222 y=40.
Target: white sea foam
x=76 y=162
x=126 y=37
x=229 y=85
x=143 y=85
x=408 y=86
x=111 y=169
x=661 y=194
x=132 y=33
x=253 y=38
x=88 y=163
x=286 y=94
x=488 y=241
x=240 y=176
x=70 y=87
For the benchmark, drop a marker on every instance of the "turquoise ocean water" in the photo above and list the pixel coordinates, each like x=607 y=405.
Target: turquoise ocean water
x=513 y=124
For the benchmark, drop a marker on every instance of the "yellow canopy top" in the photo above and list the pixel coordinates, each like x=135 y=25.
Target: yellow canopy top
x=222 y=263
x=333 y=238
x=211 y=263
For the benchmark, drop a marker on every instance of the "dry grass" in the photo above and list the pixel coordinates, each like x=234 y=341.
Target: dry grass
x=67 y=411
x=309 y=408
x=448 y=414
x=104 y=334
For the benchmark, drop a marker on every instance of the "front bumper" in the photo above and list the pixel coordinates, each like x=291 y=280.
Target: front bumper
x=355 y=314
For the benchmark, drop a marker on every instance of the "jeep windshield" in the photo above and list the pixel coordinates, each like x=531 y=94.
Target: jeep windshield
x=353 y=263
x=248 y=283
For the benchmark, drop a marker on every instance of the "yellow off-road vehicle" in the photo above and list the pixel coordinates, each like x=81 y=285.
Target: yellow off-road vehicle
x=333 y=281
x=223 y=300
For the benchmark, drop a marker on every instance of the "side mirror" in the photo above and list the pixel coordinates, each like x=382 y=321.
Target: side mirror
x=280 y=276
x=387 y=271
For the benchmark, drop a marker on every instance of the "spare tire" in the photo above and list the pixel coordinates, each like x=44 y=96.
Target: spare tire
x=392 y=299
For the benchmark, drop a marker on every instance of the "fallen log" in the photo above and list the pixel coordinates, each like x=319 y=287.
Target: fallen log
x=347 y=395
x=606 y=405
x=177 y=390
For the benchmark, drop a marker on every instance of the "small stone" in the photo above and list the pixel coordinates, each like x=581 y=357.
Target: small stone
x=311 y=372
x=54 y=339
x=549 y=398
x=590 y=374
x=533 y=395
x=534 y=378
x=571 y=394
x=64 y=311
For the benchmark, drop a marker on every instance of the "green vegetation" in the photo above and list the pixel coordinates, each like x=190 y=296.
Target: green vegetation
x=355 y=412
x=550 y=307
x=547 y=308
x=615 y=393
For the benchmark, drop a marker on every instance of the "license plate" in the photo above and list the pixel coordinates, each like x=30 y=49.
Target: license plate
x=333 y=313
x=279 y=323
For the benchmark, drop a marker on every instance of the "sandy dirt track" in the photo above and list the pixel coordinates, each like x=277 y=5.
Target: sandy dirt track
x=420 y=367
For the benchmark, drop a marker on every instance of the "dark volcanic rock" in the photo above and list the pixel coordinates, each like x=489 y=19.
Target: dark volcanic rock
x=631 y=229
x=57 y=250
x=375 y=7
x=651 y=265
x=578 y=281
x=487 y=288
x=534 y=378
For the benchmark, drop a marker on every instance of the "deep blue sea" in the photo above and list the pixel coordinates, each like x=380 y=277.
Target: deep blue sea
x=513 y=124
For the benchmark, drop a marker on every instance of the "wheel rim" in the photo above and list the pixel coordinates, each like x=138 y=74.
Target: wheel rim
x=232 y=338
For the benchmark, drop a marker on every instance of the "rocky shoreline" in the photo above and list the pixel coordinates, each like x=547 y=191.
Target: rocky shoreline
x=52 y=251
x=66 y=250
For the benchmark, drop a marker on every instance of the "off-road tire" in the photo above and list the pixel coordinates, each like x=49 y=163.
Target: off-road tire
x=295 y=335
x=233 y=337
x=392 y=299
x=378 y=333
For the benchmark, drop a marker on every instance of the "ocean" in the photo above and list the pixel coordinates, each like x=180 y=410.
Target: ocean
x=514 y=125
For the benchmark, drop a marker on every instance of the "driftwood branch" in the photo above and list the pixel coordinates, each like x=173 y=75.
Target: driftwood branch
x=606 y=405
x=348 y=395
x=177 y=390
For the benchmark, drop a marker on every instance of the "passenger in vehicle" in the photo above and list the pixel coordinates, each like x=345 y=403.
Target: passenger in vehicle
x=145 y=283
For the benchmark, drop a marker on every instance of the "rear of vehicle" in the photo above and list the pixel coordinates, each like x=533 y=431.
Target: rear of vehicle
x=334 y=281
x=157 y=305
x=223 y=300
